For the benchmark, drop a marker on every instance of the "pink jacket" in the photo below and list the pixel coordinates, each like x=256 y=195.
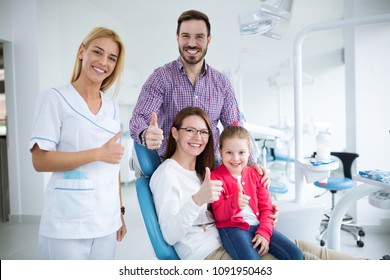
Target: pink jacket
x=226 y=208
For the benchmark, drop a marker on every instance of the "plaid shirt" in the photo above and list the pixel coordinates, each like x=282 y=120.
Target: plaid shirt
x=168 y=90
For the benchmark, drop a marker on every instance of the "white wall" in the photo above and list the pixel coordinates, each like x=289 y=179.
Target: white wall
x=45 y=35
x=372 y=100
x=373 y=88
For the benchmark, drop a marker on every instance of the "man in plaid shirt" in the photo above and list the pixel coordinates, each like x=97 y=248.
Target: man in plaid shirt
x=186 y=81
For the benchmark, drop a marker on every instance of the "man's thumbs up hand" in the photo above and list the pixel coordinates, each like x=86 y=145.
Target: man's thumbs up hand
x=153 y=135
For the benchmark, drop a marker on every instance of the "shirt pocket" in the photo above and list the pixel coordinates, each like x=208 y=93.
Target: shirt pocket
x=73 y=199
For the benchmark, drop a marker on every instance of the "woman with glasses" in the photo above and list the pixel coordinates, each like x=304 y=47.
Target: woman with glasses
x=182 y=189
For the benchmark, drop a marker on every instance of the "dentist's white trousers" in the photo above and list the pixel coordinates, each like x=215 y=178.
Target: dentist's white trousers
x=102 y=248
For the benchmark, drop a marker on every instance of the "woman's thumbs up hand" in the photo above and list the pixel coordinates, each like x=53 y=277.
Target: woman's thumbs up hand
x=209 y=191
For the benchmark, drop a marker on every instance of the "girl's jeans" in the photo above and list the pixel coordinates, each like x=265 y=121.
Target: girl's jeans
x=238 y=243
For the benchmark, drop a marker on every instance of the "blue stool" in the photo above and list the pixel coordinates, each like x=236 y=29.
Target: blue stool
x=276 y=188
x=334 y=185
x=268 y=154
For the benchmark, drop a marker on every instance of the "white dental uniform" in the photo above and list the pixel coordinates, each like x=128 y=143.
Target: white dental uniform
x=81 y=203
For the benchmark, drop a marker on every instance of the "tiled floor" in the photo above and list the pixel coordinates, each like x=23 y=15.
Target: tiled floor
x=18 y=241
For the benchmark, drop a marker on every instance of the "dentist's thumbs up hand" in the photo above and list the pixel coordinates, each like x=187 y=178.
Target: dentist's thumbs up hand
x=153 y=135
x=209 y=191
x=111 y=151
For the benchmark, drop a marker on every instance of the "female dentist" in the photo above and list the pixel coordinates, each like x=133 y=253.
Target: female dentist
x=75 y=136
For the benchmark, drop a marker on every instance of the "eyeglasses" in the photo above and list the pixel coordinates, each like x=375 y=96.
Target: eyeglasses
x=192 y=131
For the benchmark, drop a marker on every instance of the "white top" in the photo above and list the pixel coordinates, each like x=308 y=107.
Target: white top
x=80 y=203
x=179 y=217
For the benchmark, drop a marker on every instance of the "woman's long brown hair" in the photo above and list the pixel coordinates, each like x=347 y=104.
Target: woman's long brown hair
x=204 y=159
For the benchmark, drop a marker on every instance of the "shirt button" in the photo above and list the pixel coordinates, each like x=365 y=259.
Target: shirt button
x=243 y=183
x=257 y=213
x=196 y=97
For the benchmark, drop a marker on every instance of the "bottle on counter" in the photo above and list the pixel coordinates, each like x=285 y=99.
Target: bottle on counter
x=323 y=141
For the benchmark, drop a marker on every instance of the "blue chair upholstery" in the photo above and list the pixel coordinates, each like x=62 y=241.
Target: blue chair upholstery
x=149 y=160
x=341 y=183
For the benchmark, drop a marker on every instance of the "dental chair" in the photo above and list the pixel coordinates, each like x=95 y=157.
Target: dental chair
x=335 y=184
x=149 y=160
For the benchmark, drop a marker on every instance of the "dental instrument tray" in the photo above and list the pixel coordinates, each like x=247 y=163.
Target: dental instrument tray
x=377 y=175
x=380 y=198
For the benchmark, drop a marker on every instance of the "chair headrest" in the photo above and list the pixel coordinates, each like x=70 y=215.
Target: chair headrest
x=148 y=160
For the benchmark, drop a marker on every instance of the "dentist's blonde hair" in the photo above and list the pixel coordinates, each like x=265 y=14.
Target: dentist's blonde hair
x=102 y=32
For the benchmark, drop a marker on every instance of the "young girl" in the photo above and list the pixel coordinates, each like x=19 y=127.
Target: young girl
x=244 y=206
